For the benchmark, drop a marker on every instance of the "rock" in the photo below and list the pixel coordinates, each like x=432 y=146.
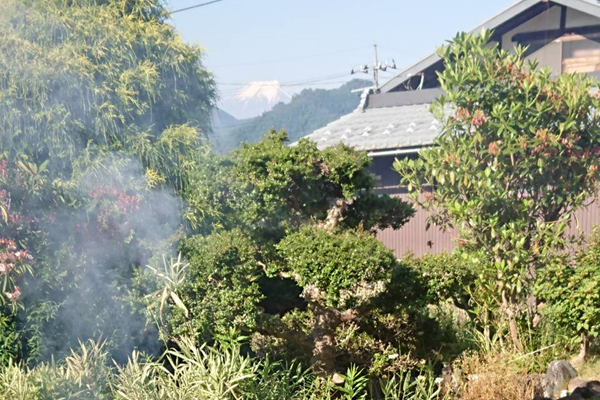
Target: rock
x=586 y=390
x=557 y=378
x=338 y=380
x=594 y=385
x=576 y=383
x=582 y=393
x=450 y=381
x=589 y=390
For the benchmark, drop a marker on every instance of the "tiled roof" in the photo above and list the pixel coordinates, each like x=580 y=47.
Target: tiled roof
x=388 y=126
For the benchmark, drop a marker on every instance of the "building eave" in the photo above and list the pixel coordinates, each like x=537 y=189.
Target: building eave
x=397 y=151
x=585 y=6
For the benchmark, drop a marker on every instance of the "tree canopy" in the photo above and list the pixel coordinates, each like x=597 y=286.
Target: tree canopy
x=298 y=224
x=100 y=75
x=103 y=112
x=514 y=160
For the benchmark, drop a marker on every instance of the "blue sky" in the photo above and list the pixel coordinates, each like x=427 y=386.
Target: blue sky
x=298 y=40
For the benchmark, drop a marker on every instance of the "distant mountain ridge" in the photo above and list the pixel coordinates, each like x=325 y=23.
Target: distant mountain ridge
x=222 y=119
x=307 y=111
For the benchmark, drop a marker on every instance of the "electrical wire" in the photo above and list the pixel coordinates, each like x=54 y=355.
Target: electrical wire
x=298 y=82
x=230 y=92
x=195 y=6
x=281 y=60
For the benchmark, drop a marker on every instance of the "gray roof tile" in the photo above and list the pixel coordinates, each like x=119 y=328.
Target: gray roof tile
x=381 y=128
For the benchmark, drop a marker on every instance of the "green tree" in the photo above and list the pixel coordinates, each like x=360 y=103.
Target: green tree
x=107 y=74
x=514 y=160
x=103 y=112
x=305 y=223
x=447 y=276
x=222 y=292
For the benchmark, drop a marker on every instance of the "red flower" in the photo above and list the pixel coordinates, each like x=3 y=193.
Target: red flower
x=3 y=168
x=462 y=113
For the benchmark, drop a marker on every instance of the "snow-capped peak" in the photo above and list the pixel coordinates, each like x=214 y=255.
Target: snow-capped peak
x=255 y=98
x=269 y=90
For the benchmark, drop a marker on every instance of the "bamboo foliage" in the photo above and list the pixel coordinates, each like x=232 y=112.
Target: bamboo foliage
x=90 y=72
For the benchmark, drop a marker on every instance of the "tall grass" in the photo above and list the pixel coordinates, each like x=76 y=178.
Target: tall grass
x=191 y=372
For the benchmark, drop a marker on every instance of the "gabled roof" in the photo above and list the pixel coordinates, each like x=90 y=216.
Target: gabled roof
x=397 y=120
x=501 y=23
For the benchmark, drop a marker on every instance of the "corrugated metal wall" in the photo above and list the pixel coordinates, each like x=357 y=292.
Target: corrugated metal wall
x=413 y=237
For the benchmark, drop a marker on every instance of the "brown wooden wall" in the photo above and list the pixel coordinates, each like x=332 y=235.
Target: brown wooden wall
x=414 y=238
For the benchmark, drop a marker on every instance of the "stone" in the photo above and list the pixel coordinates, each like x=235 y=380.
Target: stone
x=584 y=393
x=338 y=380
x=594 y=385
x=450 y=381
x=588 y=390
x=557 y=378
x=576 y=383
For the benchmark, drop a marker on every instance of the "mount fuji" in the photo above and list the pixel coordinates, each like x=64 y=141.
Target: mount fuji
x=256 y=98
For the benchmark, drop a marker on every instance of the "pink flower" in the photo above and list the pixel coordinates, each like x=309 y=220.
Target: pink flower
x=479 y=118
x=494 y=147
x=14 y=296
x=6 y=268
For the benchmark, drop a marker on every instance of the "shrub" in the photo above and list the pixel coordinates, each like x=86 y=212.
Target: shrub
x=221 y=291
x=336 y=263
x=354 y=287
x=446 y=276
x=571 y=293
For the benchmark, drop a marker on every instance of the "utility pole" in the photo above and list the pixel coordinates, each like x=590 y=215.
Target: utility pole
x=376 y=72
x=375 y=68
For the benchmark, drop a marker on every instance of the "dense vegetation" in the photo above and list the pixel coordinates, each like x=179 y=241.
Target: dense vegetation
x=178 y=273
x=513 y=164
x=308 y=111
x=102 y=104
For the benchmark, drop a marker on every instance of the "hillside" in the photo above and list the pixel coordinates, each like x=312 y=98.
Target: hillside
x=309 y=110
x=221 y=119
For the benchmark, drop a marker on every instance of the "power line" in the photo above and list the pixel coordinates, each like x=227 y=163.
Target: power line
x=196 y=6
x=280 y=60
x=231 y=92
x=298 y=82
x=389 y=48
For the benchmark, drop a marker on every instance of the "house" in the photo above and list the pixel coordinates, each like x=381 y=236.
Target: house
x=394 y=121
